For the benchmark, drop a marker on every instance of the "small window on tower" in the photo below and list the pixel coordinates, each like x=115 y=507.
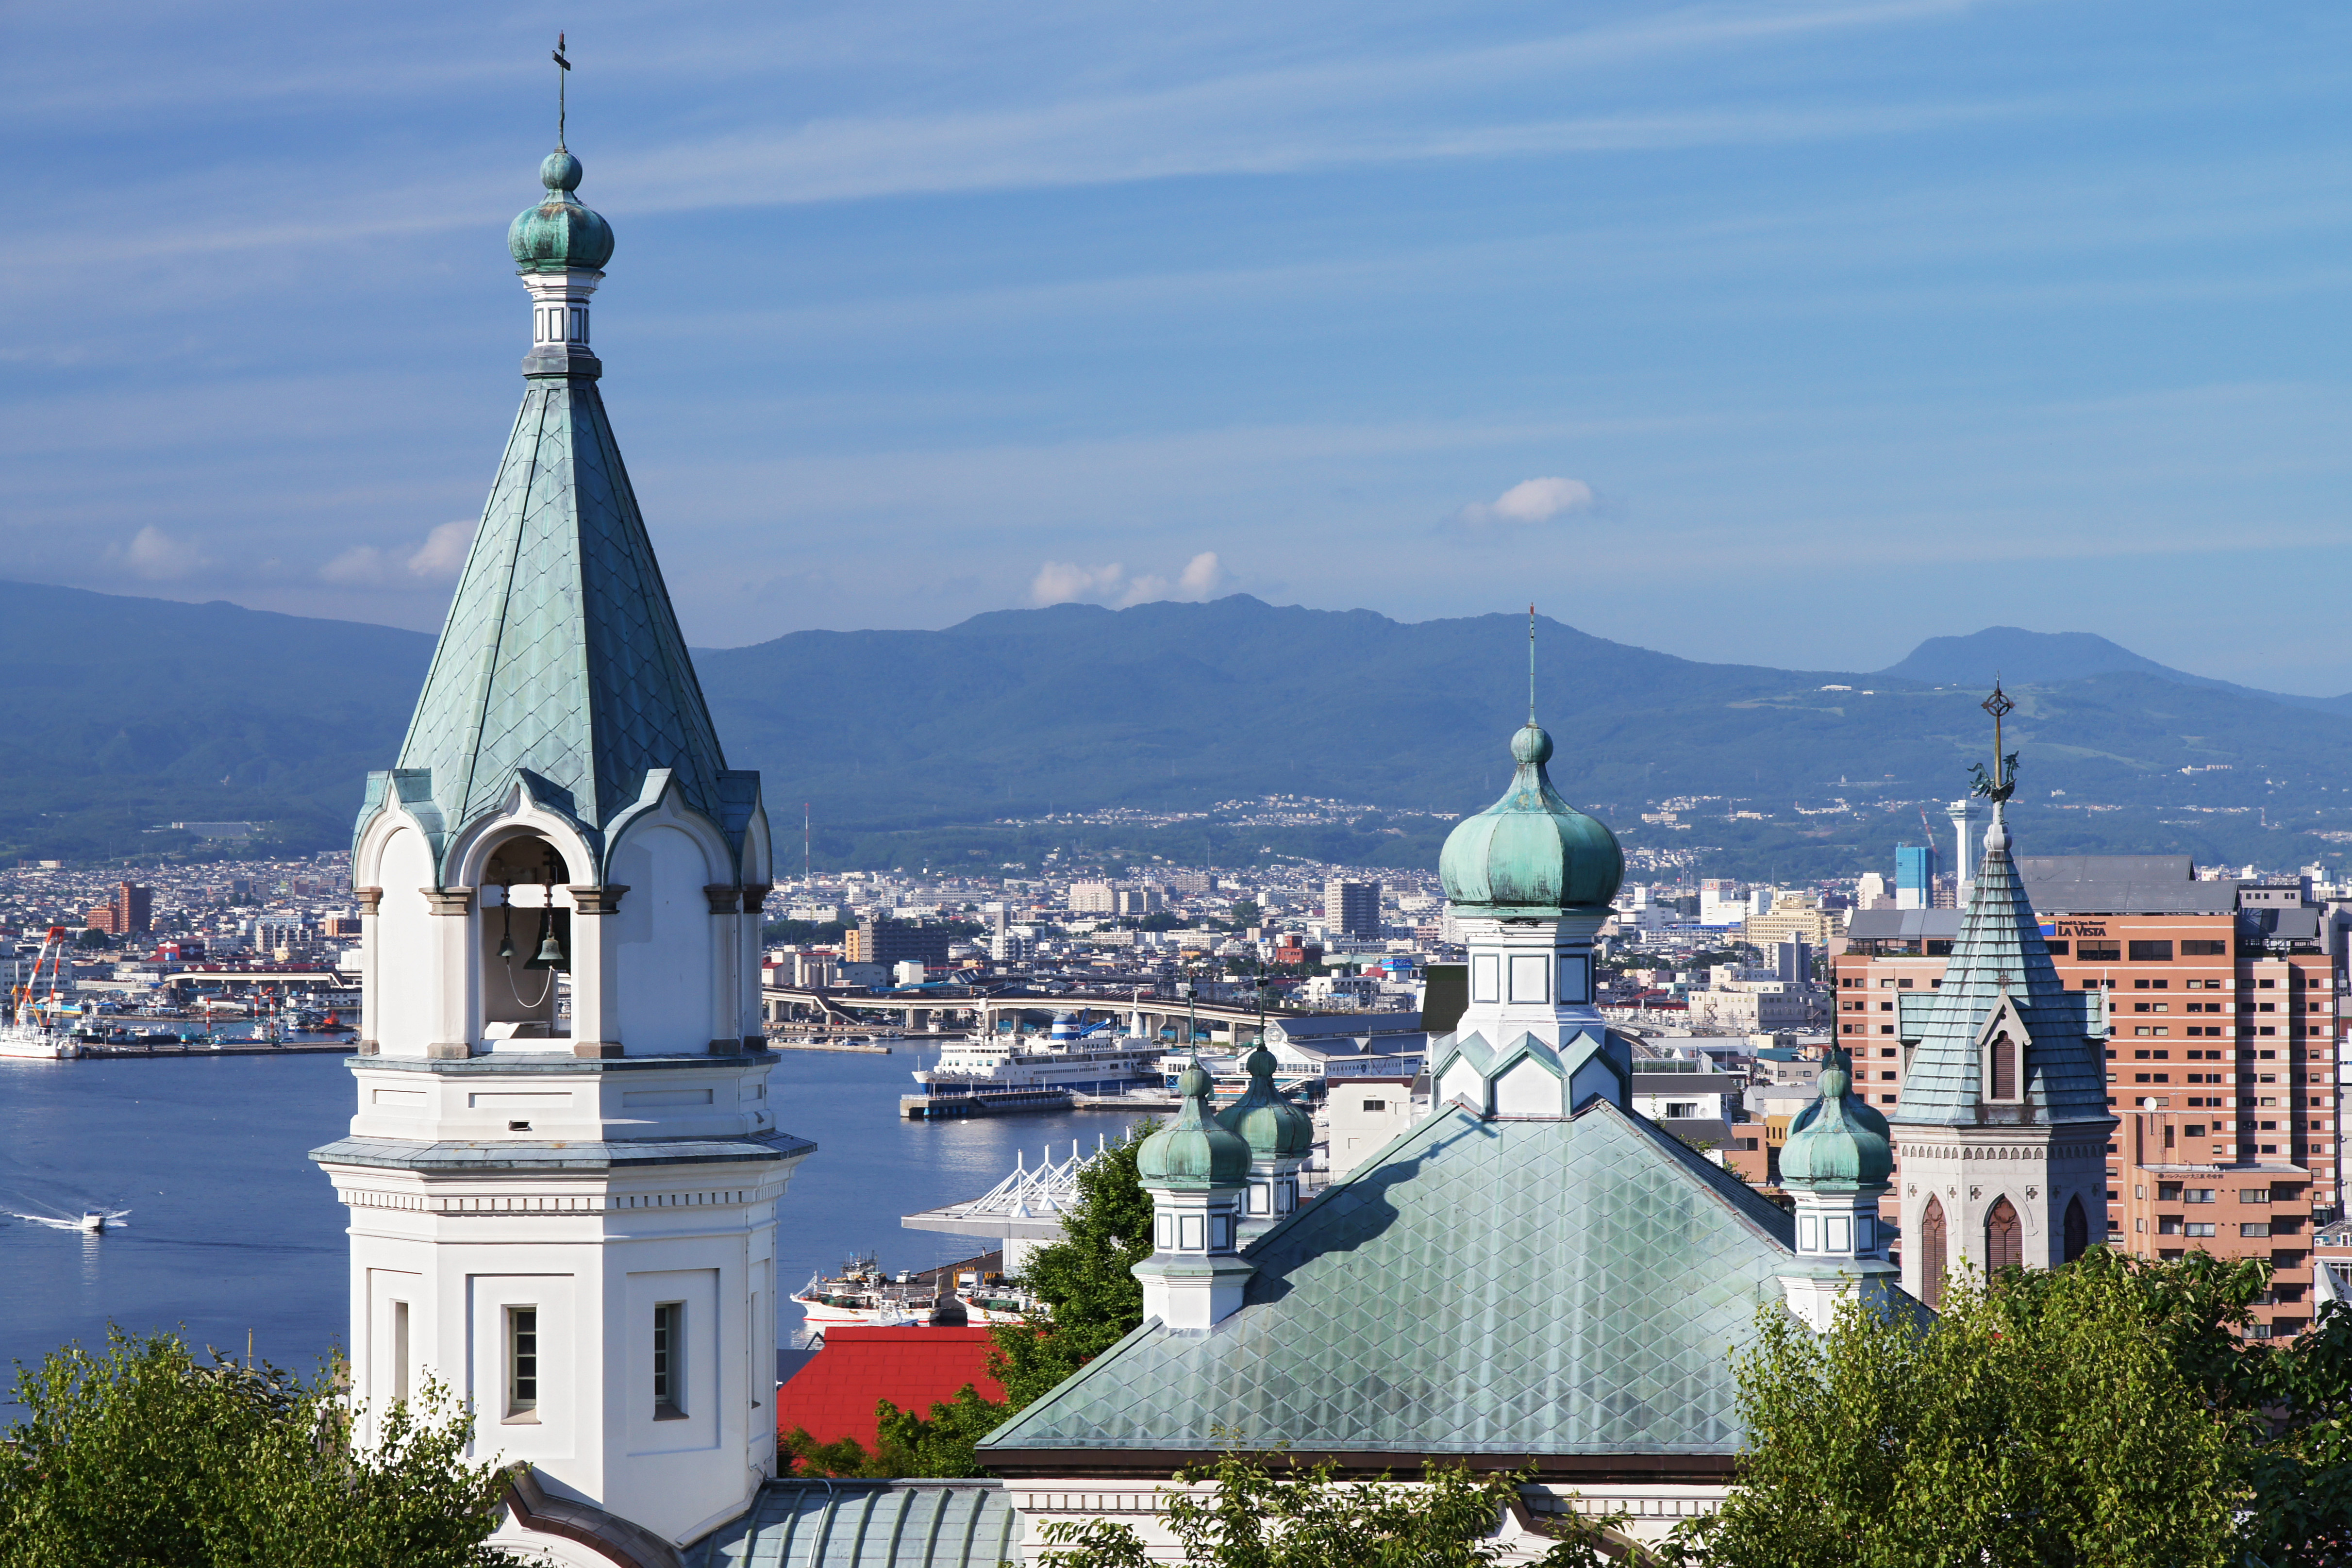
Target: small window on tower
x=669 y=1362
x=523 y=1364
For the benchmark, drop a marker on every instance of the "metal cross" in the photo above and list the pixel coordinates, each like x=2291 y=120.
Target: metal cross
x=560 y=81
x=1999 y=707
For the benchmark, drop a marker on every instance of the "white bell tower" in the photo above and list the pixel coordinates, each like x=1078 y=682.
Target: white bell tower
x=564 y=1169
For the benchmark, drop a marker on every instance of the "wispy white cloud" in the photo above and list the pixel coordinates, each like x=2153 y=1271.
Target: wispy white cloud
x=433 y=563
x=1526 y=502
x=157 y=557
x=1068 y=581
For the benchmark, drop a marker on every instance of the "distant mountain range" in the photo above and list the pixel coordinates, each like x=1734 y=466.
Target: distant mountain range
x=126 y=713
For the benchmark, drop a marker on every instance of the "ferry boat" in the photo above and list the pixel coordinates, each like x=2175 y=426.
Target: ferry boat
x=31 y=1031
x=863 y=1294
x=1071 y=1059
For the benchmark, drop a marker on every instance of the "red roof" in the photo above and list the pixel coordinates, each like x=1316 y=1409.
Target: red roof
x=914 y=1368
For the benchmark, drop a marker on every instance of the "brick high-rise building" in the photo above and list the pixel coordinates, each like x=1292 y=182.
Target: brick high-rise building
x=2221 y=1030
x=130 y=913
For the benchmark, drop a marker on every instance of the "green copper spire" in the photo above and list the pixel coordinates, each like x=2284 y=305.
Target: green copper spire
x=1531 y=853
x=1838 y=1139
x=1192 y=1152
x=559 y=234
x=1264 y=1117
x=561 y=664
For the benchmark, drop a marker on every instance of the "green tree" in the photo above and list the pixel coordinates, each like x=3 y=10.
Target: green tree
x=2101 y=1413
x=1087 y=1279
x=1254 y=1517
x=140 y=1457
x=906 y=1443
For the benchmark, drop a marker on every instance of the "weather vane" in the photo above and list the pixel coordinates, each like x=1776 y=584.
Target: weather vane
x=560 y=81
x=2002 y=783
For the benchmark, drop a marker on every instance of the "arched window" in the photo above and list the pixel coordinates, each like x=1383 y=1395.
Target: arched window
x=2078 y=1229
x=2004 y=1237
x=1931 y=1254
x=2004 y=1067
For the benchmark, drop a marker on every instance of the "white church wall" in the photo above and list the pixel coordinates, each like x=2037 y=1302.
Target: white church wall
x=1528 y=1089
x=662 y=969
x=403 y=1022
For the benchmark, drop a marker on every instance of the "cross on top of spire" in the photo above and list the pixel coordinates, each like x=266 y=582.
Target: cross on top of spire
x=562 y=77
x=2002 y=782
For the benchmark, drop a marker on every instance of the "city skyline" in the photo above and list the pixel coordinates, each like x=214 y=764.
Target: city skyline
x=1726 y=305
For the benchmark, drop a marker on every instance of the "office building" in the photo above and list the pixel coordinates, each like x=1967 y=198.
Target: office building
x=891 y=942
x=1351 y=909
x=1915 y=877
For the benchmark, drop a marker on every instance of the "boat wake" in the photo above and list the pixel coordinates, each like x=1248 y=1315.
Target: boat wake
x=88 y=1220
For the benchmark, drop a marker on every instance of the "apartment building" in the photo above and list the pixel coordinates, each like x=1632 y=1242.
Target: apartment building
x=2223 y=1028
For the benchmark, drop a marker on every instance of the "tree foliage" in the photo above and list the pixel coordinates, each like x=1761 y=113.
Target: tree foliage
x=1252 y=1516
x=1087 y=1279
x=1088 y=1283
x=140 y=1457
x=906 y=1443
x=2099 y=1413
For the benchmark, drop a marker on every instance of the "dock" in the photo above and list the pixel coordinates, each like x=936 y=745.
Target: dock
x=138 y=1050
x=1124 y=1102
x=854 y=1047
x=1004 y=1102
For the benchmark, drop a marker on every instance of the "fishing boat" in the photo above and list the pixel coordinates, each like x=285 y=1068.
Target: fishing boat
x=32 y=1032
x=92 y=1221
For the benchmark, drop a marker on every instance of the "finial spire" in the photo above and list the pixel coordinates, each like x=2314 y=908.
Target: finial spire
x=2001 y=782
x=1531 y=663
x=563 y=78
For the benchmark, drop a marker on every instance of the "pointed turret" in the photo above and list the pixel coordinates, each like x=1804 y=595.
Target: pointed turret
x=1195 y=1171
x=1835 y=1164
x=1279 y=1135
x=560 y=666
x=2002 y=1125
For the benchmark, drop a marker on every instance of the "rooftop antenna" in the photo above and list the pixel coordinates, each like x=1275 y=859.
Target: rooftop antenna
x=560 y=108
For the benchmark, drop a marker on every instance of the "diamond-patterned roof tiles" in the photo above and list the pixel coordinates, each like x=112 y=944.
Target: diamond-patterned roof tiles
x=560 y=655
x=1509 y=1288
x=2000 y=950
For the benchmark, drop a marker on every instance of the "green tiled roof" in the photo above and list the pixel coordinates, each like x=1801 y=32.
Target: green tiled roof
x=1513 y=1289
x=1999 y=948
x=868 y=1524
x=562 y=658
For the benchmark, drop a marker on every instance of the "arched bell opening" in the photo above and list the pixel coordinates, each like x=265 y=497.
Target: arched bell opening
x=525 y=939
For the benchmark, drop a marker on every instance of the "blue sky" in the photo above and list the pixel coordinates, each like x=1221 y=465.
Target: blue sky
x=1778 y=332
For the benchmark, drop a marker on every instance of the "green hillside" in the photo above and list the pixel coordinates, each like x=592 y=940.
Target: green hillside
x=126 y=713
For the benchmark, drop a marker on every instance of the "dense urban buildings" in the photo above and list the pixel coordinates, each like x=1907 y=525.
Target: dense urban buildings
x=2217 y=999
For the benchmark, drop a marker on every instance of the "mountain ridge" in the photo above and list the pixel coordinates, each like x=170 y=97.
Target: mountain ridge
x=129 y=712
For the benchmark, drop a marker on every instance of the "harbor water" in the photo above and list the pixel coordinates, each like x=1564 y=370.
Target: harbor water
x=228 y=1227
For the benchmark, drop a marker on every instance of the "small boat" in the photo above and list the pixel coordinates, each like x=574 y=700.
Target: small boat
x=92 y=1221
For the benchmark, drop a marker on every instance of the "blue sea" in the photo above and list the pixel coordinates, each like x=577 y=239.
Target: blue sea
x=229 y=1229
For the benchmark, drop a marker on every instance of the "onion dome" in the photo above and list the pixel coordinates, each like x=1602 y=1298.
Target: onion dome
x=1839 y=1139
x=1192 y=1152
x=560 y=235
x=1265 y=1118
x=1531 y=853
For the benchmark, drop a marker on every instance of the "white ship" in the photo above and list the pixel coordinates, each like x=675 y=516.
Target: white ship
x=30 y=1032
x=864 y=1295
x=1070 y=1058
